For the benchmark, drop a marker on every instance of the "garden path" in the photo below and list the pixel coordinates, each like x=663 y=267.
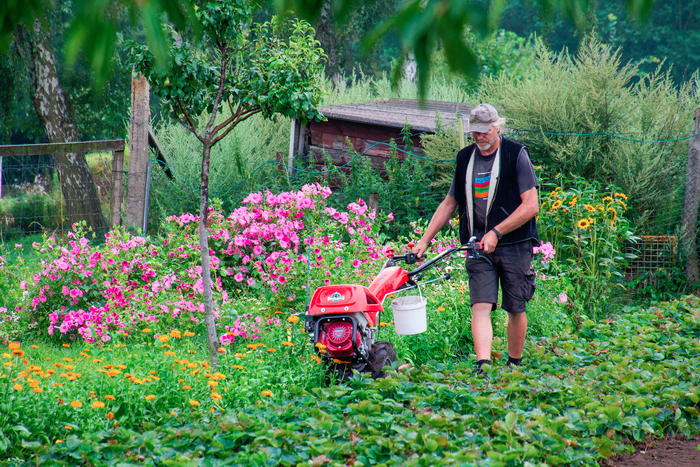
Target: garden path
x=663 y=453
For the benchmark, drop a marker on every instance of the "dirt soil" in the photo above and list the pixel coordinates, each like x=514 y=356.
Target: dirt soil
x=662 y=453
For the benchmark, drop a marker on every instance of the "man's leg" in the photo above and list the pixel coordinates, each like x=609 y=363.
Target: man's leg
x=517 y=329
x=482 y=331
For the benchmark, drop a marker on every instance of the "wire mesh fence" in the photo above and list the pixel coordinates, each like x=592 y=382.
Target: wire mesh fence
x=46 y=188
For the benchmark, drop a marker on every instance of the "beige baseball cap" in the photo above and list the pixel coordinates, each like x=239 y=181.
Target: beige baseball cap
x=481 y=118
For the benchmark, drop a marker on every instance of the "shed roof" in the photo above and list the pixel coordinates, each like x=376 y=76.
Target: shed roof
x=395 y=112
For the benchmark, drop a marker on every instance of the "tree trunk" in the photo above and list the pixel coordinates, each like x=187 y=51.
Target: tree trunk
x=689 y=222
x=54 y=109
x=212 y=338
x=326 y=36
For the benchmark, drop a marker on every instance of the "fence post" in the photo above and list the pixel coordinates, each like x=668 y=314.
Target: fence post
x=115 y=200
x=692 y=199
x=138 y=152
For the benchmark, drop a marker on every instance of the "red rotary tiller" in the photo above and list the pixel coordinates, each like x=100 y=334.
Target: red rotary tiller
x=344 y=318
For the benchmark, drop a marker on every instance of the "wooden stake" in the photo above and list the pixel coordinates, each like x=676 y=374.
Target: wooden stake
x=692 y=200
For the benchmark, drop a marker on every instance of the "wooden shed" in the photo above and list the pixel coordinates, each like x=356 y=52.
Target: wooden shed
x=366 y=126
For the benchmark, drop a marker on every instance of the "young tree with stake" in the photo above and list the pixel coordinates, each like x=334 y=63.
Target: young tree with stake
x=234 y=71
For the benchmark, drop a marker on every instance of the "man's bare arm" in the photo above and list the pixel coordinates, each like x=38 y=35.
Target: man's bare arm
x=442 y=215
x=526 y=211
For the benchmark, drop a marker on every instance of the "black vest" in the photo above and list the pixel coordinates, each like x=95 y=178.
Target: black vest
x=506 y=200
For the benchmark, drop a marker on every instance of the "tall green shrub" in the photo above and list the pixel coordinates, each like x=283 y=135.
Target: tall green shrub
x=571 y=108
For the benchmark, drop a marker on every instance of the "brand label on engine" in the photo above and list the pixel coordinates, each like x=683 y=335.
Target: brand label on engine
x=336 y=297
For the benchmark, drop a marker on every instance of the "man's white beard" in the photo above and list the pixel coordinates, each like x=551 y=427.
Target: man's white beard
x=485 y=147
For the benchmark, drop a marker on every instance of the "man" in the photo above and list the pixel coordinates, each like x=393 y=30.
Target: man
x=494 y=190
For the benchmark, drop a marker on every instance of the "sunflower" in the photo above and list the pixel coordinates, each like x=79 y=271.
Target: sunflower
x=600 y=207
x=556 y=205
x=608 y=199
x=583 y=224
x=621 y=195
x=572 y=203
x=589 y=208
x=614 y=211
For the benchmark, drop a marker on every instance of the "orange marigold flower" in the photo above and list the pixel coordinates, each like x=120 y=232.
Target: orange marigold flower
x=193 y=402
x=37 y=390
x=66 y=346
x=110 y=415
x=98 y=404
x=109 y=397
x=237 y=367
x=146 y=330
x=266 y=393
x=252 y=346
x=293 y=319
x=271 y=350
x=35 y=346
x=188 y=334
x=66 y=359
x=18 y=353
x=216 y=396
x=176 y=334
x=17 y=387
x=187 y=387
x=288 y=344
x=13 y=346
x=441 y=308
x=164 y=338
x=76 y=404
x=213 y=384
x=169 y=353
x=150 y=397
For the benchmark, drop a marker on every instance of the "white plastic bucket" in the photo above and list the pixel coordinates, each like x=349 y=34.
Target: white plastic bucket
x=409 y=314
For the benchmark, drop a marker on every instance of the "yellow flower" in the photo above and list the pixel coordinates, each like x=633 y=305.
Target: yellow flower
x=583 y=224
x=237 y=367
x=614 y=211
x=608 y=199
x=176 y=334
x=572 y=203
x=187 y=387
x=110 y=415
x=35 y=346
x=216 y=396
x=193 y=402
x=38 y=390
x=288 y=344
x=266 y=393
x=146 y=330
x=600 y=207
x=150 y=397
x=556 y=205
x=188 y=334
x=17 y=387
x=169 y=353
x=13 y=346
x=293 y=319
x=271 y=350
x=590 y=208
x=440 y=308
x=66 y=346
x=58 y=441
x=109 y=397
x=76 y=404
x=621 y=195
x=164 y=338
x=98 y=404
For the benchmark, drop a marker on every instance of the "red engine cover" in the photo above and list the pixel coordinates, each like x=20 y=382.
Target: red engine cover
x=343 y=299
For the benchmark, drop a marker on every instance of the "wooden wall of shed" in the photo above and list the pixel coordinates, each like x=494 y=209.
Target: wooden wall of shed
x=332 y=138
